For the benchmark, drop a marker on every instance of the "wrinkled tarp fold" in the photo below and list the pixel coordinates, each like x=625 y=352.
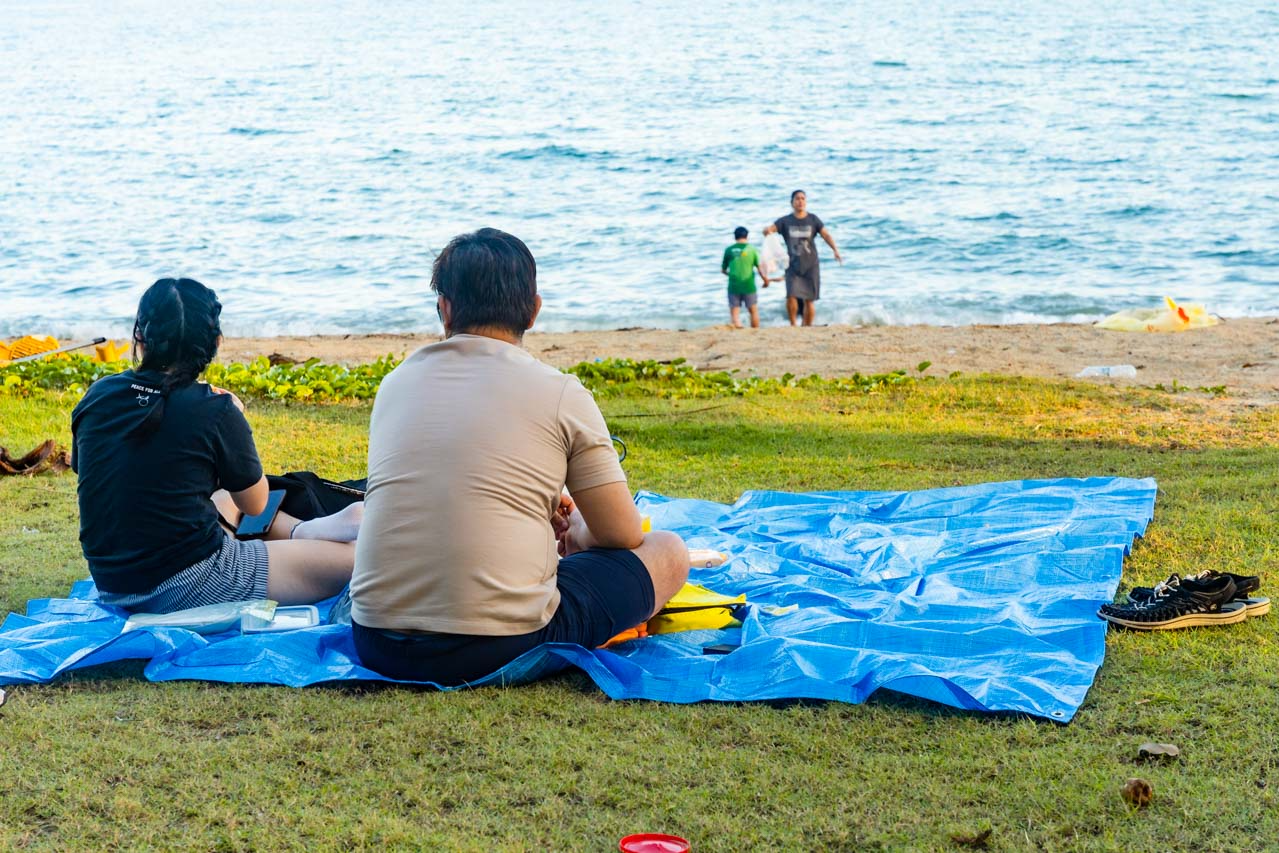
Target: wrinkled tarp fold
x=981 y=597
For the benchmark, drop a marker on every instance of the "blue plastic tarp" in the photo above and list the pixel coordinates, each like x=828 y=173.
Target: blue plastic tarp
x=981 y=597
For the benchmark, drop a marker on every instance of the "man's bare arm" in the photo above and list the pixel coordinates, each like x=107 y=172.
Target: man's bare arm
x=830 y=241
x=609 y=518
x=770 y=229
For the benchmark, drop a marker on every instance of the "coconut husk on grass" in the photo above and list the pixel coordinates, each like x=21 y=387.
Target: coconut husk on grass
x=48 y=457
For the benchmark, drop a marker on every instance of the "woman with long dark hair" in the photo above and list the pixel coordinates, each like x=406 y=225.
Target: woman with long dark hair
x=160 y=455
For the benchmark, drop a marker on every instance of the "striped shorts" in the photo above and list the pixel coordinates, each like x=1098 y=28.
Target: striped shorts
x=235 y=572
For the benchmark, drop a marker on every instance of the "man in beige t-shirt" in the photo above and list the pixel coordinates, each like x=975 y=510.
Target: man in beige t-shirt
x=497 y=516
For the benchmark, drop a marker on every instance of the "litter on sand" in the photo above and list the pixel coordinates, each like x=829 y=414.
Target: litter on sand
x=35 y=347
x=1114 y=371
x=1171 y=317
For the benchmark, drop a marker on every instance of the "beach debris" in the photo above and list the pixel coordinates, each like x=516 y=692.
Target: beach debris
x=1170 y=318
x=110 y=351
x=30 y=345
x=1158 y=752
x=977 y=841
x=1137 y=793
x=48 y=457
x=1114 y=371
x=35 y=347
x=280 y=358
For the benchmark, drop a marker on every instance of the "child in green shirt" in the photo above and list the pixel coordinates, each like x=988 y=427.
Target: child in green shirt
x=740 y=262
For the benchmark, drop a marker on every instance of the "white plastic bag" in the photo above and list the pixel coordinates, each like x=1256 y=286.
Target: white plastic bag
x=1169 y=318
x=773 y=256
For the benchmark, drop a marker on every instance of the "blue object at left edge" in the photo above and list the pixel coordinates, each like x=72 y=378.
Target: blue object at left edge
x=980 y=597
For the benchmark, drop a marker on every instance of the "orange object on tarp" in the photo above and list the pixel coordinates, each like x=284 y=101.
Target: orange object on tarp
x=639 y=631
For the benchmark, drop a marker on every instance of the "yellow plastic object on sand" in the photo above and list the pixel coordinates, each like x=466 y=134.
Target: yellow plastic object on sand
x=35 y=344
x=32 y=345
x=109 y=352
x=1171 y=318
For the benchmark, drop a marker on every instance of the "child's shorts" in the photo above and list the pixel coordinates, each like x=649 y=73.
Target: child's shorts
x=737 y=300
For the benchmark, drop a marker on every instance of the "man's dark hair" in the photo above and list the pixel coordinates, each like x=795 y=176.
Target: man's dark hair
x=489 y=278
x=739 y=232
x=797 y=192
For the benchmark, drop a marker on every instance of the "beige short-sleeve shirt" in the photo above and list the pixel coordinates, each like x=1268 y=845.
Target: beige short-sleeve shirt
x=470 y=444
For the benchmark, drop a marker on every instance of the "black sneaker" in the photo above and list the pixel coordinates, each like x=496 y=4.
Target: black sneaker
x=1192 y=602
x=1245 y=585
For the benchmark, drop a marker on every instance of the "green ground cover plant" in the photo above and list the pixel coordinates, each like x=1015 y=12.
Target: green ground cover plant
x=105 y=759
x=317 y=382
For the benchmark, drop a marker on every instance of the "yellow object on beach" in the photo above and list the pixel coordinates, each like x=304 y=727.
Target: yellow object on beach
x=32 y=345
x=1171 y=318
x=109 y=352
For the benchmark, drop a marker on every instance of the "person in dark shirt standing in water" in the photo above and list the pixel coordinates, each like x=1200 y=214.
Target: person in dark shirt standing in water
x=803 y=276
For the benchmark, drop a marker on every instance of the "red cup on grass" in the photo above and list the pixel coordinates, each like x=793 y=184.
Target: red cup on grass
x=653 y=842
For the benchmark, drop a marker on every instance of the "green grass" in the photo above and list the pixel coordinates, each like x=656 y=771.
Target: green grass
x=104 y=759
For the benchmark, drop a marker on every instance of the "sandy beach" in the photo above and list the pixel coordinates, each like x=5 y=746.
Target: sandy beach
x=1241 y=354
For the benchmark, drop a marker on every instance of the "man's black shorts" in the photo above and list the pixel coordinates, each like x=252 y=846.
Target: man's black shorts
x=602 y=593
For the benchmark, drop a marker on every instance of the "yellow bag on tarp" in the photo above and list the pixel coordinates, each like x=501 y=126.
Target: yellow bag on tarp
x=696 y=607
x=1171 y=318
x=693 y=608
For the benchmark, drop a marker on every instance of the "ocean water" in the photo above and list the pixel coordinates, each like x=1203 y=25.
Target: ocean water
x=976 y=162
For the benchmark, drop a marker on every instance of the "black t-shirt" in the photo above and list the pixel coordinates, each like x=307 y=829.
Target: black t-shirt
x=145 y=513
x=800 y=235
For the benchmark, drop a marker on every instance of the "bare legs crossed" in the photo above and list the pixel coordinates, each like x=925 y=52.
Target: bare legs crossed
x=316 y=562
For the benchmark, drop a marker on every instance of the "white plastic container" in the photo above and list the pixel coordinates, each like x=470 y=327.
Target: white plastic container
x=1114 y=371
x=285 y=619
x=705 y=558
